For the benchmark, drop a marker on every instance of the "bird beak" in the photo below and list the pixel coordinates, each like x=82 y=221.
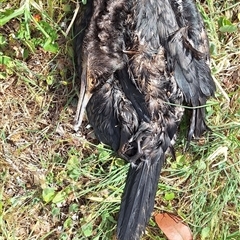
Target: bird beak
x=83 y=100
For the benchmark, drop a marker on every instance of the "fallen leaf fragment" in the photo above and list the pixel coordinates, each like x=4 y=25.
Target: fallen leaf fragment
x=173 y=227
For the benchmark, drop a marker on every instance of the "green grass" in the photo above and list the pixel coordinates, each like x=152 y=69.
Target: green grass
x=56 y=184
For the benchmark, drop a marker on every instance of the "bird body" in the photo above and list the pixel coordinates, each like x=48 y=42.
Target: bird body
x=139 y=62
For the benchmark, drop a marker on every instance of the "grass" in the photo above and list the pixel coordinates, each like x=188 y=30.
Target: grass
x=56 y=184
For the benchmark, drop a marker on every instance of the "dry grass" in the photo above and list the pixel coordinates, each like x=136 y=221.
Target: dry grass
x=55 y=184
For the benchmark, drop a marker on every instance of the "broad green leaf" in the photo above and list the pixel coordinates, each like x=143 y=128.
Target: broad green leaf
x=73 y=207
x=87 y=229
x=74 y=174
x=50 y=47
x=73 y=162
x=222 y=21
x=169 y=196
x=68 y=223
x=205 y=233
x=49 y=80
x=103 y=155
x=48 y=194
x=2 y=40
x=3 y=75
x=228 y=28
x=4 y=60
x=59 y=197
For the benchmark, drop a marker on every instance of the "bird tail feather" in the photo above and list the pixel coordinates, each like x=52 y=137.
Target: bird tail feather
x=138 y=198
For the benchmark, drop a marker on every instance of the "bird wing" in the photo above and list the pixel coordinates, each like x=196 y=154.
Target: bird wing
x=182 y=33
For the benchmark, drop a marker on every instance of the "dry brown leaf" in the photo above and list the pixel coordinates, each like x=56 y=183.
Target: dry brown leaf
x=173 y=227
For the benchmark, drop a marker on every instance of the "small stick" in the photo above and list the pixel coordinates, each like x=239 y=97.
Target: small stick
x=73 y=19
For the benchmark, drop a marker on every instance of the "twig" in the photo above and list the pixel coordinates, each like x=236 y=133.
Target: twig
x=73 y=19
